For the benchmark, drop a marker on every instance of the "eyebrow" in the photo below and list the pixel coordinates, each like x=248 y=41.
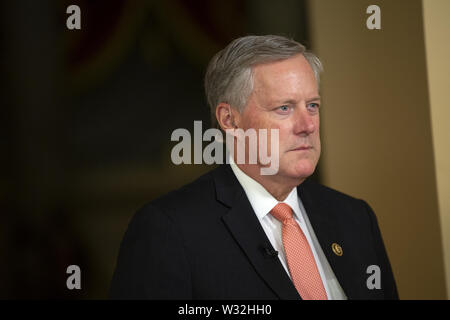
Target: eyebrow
x=290 y=101
x=313 y=99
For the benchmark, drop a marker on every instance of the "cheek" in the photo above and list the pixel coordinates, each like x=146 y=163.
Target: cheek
x=317 y=140
x=256 y=120
x=249 y=121
x=286 y=137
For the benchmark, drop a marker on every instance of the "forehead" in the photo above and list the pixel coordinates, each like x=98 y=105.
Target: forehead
x=290 y=77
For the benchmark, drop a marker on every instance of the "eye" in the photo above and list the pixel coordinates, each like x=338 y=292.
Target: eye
x=284 y=109
x=313 y=106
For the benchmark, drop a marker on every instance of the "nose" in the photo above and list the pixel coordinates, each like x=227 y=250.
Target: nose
x=304 y=122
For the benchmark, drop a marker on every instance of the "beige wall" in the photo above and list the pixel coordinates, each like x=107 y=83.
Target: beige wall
x=437 y=44
x=376 y=131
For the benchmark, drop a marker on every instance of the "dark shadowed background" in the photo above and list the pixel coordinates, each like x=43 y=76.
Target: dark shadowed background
x=87 y=117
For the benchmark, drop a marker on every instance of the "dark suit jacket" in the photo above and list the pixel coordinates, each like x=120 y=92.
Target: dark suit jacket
x=204 y=241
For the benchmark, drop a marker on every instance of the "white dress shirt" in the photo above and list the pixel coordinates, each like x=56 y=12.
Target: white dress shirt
x=262 y=203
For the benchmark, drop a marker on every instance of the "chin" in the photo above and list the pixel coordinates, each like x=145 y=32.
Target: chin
x=300 y=170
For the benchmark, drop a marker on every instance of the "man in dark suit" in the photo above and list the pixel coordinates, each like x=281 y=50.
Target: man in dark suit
x=237 y=233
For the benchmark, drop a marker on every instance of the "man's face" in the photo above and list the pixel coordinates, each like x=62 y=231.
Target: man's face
x=285 y=96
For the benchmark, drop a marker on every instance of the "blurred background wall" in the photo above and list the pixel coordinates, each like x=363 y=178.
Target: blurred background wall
x=377 y=132
x=87 y=115
x=437 y=46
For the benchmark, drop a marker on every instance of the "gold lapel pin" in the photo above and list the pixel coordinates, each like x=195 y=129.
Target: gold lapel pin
x=337 y=249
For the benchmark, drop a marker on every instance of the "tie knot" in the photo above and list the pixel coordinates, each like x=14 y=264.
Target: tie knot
x=282 y=212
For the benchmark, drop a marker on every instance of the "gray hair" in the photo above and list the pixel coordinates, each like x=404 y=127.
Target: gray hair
x=229 y=76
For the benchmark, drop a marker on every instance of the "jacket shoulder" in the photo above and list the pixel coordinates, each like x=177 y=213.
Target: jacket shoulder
x=335 y=204
x=326 y=193
x=194 y=197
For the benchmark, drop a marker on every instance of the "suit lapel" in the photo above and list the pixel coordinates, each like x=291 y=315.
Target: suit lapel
x=323 y=221
x=243 y=224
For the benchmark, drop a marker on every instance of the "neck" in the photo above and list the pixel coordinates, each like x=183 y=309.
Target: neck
x=278 y=187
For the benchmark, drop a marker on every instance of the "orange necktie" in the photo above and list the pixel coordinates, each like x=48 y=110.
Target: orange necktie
x=300 y=259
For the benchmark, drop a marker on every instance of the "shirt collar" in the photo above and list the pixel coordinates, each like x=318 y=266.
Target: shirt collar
x=260 y=199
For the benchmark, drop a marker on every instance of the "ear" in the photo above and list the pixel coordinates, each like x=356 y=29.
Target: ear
x=226 y=116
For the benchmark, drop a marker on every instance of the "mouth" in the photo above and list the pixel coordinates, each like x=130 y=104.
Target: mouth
x=302 y=148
